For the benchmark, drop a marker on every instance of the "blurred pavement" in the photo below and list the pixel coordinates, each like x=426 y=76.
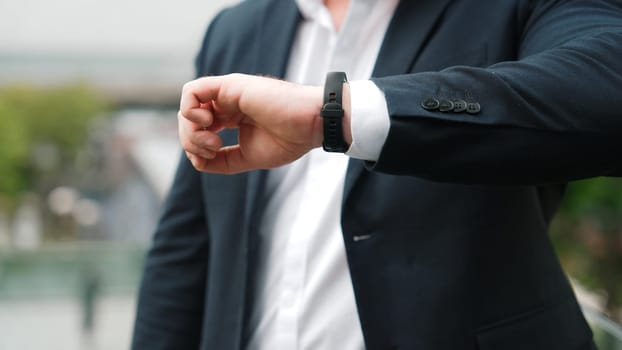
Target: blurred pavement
x=56 y=324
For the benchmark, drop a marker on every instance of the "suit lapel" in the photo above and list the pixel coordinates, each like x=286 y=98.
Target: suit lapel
x=411 y=26
x=276 y=35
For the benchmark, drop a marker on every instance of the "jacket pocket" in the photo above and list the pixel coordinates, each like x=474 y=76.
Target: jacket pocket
x=559 y=326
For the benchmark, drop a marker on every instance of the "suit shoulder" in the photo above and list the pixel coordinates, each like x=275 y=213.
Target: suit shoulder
x=230 y=36
x=236 y=22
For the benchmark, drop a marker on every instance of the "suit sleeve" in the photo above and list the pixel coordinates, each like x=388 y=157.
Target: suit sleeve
x=551 y=116
x=172 y=292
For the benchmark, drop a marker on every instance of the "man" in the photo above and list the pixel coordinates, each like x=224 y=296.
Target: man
x=477 y=114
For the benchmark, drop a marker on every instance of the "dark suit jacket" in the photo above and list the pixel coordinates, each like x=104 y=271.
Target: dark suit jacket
x=458 y=205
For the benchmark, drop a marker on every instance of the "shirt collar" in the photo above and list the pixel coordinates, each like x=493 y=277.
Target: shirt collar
x=312 y=10
x=309 y=7
x=315 y=10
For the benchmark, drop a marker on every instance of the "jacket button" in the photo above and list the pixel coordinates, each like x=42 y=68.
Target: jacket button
x=430 y=104
x=473 y=108
x=445 y=106
x=460 y=106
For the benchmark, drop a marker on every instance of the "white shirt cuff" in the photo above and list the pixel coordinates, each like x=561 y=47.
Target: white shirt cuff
x=369 y=120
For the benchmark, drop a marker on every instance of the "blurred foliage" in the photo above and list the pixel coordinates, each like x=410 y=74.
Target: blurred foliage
x=588 y=236
x=54 y=119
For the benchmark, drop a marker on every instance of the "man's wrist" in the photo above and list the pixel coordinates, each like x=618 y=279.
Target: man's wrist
x=347 y=114
x=315 y=95
x=333 y=113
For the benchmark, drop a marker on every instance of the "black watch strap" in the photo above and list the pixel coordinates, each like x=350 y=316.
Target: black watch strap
x=332 y=113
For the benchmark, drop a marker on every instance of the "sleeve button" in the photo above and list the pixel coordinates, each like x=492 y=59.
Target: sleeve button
x=430 y=104
x=445 y=106
x=460 y=106
x=473 y=108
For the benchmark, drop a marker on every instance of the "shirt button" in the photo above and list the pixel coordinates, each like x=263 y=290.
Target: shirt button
x=460 y=106
x=445 y=106
x=473 y=108
x=430 y=104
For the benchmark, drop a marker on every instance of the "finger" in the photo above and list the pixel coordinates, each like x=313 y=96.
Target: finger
x=200 y=152
x=200 y=117
x=190 y=126
x=203 y=144
x=199 y=142
x=199 y=91
x=224 y=90
x=228 y=160
x=197 y=162
x=206 y=139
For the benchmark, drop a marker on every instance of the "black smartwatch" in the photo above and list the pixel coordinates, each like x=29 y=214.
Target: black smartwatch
x=332 y=113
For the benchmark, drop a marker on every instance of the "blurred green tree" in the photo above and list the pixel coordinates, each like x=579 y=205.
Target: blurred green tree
x=588 y=236
x=31 y=118
x=13 y=150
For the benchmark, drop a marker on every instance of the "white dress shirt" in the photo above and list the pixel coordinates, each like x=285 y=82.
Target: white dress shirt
x=303 y=296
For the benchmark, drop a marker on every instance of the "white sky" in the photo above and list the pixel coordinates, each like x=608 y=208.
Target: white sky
x=105 y=26
x=122 y=46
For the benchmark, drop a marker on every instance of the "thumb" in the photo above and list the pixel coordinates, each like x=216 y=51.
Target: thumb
x=228 y=160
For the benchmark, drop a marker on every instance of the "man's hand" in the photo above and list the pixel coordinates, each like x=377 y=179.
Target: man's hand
x=278 y=122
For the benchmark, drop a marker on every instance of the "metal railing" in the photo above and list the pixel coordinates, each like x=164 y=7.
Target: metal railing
x=607 y=334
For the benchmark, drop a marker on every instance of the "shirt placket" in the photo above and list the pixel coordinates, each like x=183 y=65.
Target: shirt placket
x=296 y=256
